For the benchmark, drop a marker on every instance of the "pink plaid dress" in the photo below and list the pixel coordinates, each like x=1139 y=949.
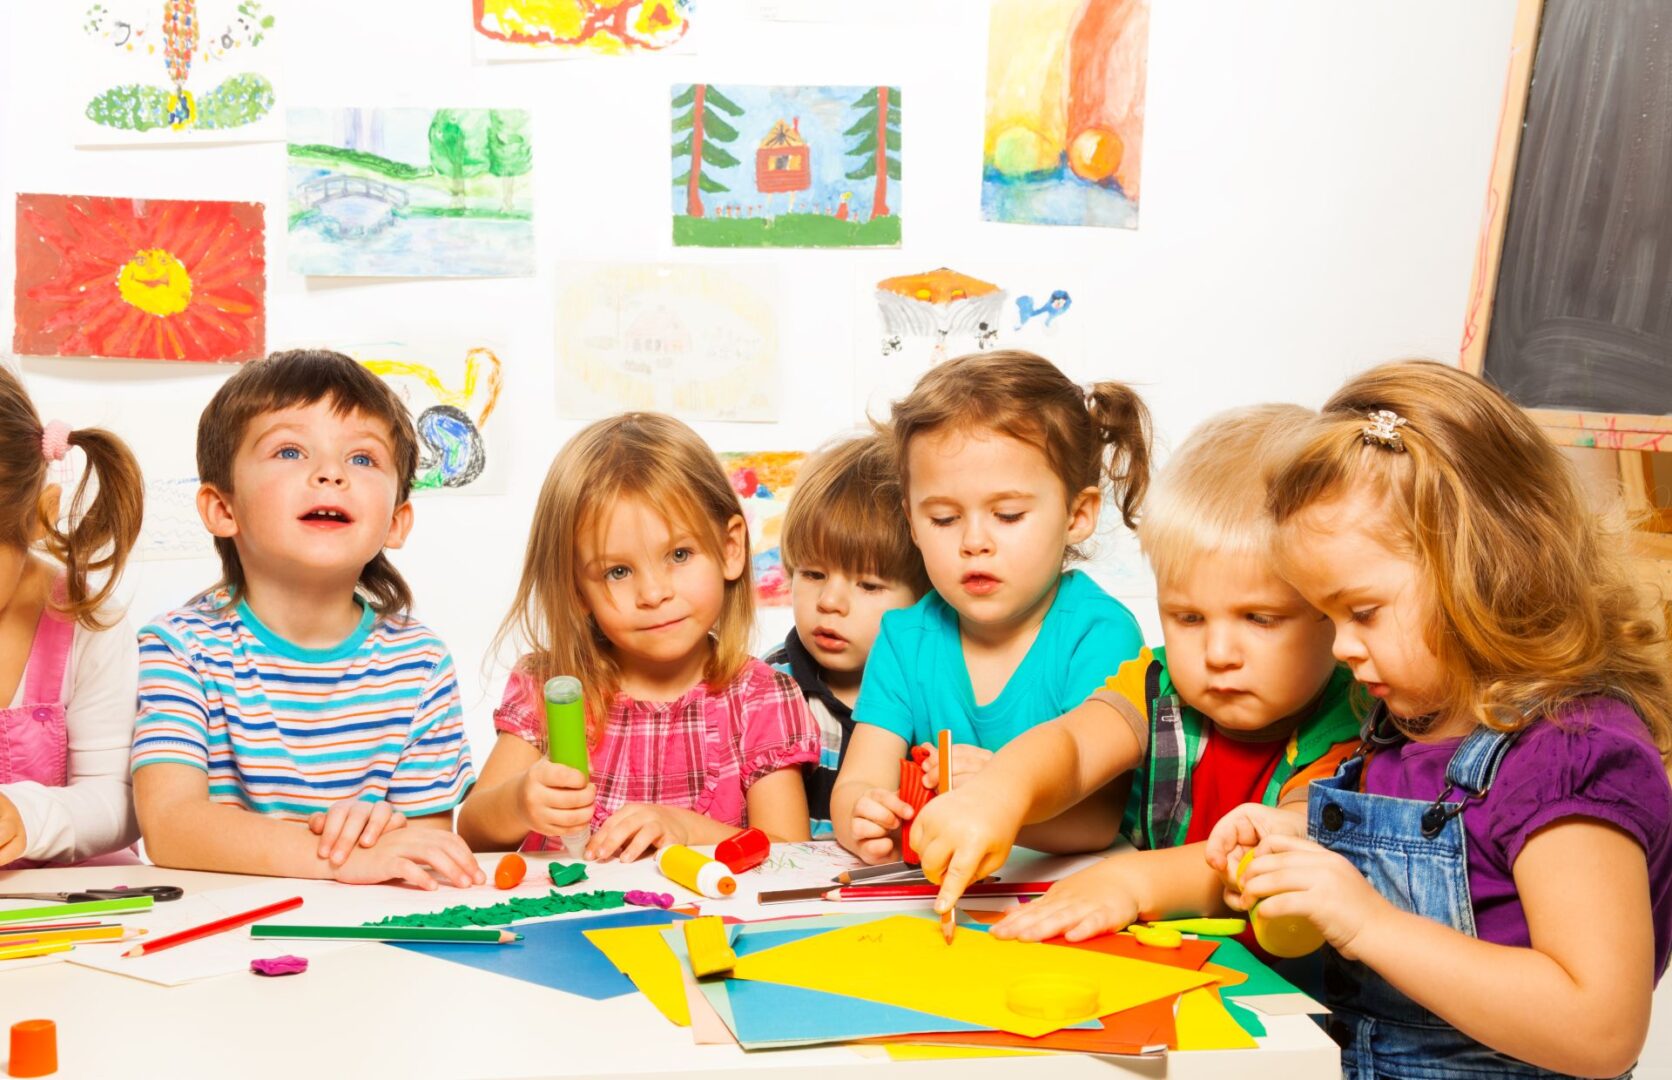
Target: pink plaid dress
x=701 y=752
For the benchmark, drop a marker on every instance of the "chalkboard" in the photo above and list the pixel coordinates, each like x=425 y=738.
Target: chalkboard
x=1582 y=309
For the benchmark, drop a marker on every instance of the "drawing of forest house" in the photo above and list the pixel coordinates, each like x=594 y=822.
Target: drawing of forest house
x=811 y=144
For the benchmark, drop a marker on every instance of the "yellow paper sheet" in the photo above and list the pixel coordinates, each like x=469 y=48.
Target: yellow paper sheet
x=904 y=961
x=1203 y=1024
x=640 y=954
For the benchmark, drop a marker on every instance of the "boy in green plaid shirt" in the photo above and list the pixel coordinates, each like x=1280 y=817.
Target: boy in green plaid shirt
x=1244 y=704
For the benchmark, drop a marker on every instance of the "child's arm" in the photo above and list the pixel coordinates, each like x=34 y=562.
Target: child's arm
x=521 y=792
x=1118 y=891
x=1092 y=824
x=865 y=805
x=777 y=806
x=184 y=829
x=966 y=834
x=1584 y=887
x=94 y=814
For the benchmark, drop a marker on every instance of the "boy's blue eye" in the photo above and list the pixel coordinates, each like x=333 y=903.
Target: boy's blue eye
x=362 y=459
x=289 y=453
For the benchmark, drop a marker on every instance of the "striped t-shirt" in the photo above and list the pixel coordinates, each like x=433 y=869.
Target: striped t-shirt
x=287 y=731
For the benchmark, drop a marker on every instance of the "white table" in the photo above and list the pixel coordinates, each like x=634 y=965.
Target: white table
x=372 y=1010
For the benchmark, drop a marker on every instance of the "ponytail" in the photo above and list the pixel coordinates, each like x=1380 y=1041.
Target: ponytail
x=1123 y=425
x=101 y=531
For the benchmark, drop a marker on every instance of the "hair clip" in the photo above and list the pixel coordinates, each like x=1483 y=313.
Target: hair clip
x=55 y=440
x=1383 y=430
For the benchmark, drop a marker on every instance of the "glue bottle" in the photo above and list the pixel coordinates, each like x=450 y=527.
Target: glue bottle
x=566 y=738
x=695 y=871
x=1287 y=936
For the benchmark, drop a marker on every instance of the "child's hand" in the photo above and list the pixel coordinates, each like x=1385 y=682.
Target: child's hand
x=961 y=837
x=634 y=830
x=966 y=762
x=877 y=818
x=13 y=840
x=1082 y=905
x=1291 y=875
x=556 y=799
x=403 y=855
x=350 y=822
x=1238 y=832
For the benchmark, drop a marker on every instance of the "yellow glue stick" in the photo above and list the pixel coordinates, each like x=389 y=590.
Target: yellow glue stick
x=1287 y=936
x=695 y=871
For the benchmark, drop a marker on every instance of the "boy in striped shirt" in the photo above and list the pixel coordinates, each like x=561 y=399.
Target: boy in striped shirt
x=293 y=721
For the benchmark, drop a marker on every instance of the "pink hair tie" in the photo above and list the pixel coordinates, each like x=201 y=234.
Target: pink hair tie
x=55 y=440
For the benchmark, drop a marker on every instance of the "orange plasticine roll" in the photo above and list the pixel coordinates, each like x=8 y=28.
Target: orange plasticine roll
x=510 y=871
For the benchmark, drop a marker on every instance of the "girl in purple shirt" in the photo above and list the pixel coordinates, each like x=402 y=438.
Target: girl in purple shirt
x=1492 y=870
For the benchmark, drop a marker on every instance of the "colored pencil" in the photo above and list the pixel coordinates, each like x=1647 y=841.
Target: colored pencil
x=943 y=748
x=890 y=891
x=231 y=922
x=24 y=928
x=90 y=933
x=458 y=935
x=89 y=907
x=19 y=952
x=884 y=872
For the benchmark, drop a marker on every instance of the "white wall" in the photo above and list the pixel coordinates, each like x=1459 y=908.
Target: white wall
x=1312 y=188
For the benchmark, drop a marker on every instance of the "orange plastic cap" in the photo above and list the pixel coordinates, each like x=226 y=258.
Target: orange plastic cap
x=34 y=1048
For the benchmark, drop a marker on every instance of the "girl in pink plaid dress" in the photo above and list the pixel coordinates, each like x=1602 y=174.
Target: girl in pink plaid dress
x=636 y=581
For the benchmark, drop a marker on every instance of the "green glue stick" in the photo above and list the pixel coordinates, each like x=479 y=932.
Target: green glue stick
x=566 y=737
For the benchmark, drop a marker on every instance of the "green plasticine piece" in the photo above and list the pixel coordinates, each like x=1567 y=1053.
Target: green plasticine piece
x=508 y=911
x=567 y=873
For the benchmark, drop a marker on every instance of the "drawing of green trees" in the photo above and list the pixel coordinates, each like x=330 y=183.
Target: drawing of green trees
x=509 y=155
x=704 y=131
x=458 y=148
x=879 y=143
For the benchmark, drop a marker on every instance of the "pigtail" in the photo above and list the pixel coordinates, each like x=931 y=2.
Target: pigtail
x=1123 y=425
x=103 y=529
x=384 y=588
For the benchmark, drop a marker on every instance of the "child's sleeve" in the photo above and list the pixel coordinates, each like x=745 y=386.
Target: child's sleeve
x=94 y=814
x=884 y=698
x=1294 y=789
x=521 y=711
x=434 y=771
x=172 y=722
x=778 y=729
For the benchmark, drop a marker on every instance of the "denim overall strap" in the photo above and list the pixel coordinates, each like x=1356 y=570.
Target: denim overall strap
x=1415 y=854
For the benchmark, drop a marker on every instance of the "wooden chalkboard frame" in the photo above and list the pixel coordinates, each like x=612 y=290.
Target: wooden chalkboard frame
x=1606 y=431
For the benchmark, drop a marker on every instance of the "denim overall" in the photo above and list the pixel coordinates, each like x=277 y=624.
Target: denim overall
x=1415 y=854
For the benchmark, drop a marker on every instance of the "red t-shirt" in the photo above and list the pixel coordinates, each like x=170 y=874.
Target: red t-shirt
x=1231 y=772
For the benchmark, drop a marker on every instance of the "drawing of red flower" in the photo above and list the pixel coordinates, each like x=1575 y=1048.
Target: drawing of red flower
x=144 y=279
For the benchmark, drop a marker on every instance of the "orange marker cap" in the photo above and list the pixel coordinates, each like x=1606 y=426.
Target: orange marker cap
x=34 y=1048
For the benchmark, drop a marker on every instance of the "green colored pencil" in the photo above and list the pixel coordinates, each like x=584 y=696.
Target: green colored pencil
x=460 y=936
x=65 y=911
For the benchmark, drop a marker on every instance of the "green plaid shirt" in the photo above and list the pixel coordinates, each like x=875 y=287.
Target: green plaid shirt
x=1158 y=809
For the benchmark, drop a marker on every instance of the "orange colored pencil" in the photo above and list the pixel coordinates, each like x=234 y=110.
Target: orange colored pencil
x=231 y=922
x=943 y=753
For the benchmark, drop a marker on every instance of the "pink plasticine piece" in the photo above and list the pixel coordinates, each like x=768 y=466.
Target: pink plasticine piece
x=280 y=965
x=640 y=898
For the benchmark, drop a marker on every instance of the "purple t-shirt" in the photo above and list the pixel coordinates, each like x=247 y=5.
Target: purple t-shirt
x=1595 y=760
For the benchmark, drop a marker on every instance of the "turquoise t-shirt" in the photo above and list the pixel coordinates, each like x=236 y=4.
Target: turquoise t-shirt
x=916 y=682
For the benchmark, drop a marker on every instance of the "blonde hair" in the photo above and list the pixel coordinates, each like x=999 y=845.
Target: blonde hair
x=846 y=514
x=1090 y=437
x=102 y=529
x=1209 y=499
x=647 y=456
x=1533 y=605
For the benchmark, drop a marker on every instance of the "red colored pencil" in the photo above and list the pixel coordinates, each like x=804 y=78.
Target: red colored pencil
x=231 y=922
x=929 y=892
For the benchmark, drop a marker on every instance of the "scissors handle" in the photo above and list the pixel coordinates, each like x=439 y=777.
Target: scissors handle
x=158 y=893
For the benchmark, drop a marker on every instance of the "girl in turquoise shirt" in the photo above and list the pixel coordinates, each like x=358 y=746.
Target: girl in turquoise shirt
x=1004 y=463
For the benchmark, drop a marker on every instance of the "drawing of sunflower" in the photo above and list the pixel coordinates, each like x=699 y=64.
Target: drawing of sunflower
x=143 y=279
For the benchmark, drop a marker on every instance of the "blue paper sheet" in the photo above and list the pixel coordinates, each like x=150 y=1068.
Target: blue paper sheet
x=553 y=954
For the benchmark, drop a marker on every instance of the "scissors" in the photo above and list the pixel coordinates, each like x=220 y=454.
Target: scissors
x=158 y=893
